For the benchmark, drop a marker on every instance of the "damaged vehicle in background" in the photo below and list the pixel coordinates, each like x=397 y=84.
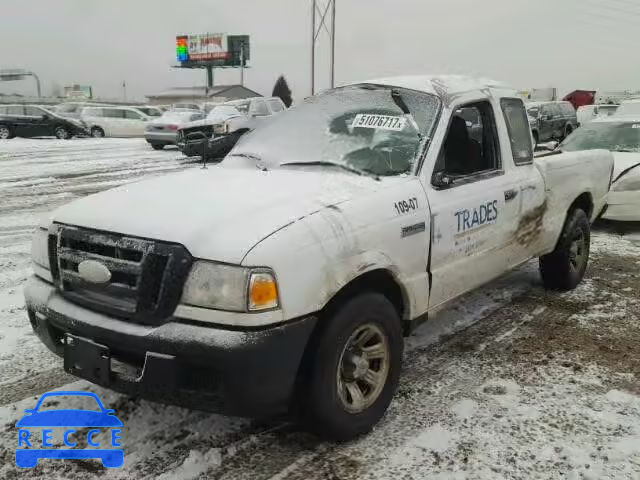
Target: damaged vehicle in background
x=621 y=136
x=551 y=120
x=163 y=131
x=284 y=278
x=216 y=135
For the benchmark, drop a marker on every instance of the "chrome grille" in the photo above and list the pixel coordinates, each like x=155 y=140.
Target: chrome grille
x=146 y=276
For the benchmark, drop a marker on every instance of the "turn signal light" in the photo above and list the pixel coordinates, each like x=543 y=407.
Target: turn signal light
x=263 y=291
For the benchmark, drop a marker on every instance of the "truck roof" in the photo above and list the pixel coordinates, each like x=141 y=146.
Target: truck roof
x=441 y=85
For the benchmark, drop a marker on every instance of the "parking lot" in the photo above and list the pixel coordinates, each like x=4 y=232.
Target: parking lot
x=511 y=382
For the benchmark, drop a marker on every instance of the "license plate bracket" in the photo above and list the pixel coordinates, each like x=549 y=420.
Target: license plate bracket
x=87 y=359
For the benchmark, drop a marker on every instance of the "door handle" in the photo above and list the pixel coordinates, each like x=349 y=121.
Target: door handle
x=510 y=195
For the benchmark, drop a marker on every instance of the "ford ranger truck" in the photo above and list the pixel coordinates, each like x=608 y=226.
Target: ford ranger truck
x=284 y=278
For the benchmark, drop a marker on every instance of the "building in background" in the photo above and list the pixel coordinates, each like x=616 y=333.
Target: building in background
x=78 y=92
x=215 y=94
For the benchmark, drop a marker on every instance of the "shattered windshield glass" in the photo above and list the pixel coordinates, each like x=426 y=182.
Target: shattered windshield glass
x=366 y=128
x=614 y=136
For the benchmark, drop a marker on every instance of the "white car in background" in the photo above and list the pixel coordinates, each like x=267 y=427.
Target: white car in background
x=589 y=113
x=115 y=121
x=621 y=136
x=163 y=131
x=225 y=124
x=629 y=108
x=74 y=109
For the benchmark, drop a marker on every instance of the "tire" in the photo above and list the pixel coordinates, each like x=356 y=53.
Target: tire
x=97 y=132
x=5 y=132
x=329 y=408
x=567 y=131
x=62 y=133
x=564 y=268
x=157 y=146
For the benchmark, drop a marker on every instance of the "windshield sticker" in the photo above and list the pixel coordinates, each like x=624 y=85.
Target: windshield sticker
x=382 y=122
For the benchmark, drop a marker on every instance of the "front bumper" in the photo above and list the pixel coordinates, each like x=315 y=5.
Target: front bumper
x=161 y=137
x=623 y=206
x=250 y=373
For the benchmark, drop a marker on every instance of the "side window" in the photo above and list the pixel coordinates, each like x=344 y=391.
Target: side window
x=555 y=110
x=471 y=144
x=515 y=117
x=259 y=109
x=545 y=112
x=276 y=106
x=131 y=115
x=15 y=110
x=33 y=111
x=568 y=109
x=113 y=113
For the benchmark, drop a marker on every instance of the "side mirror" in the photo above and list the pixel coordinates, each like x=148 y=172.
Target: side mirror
x=442 y=180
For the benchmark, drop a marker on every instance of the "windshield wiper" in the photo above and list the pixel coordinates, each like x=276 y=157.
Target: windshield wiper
x=333 y=164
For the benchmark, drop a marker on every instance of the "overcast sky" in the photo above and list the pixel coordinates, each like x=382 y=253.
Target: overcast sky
x=568 y=44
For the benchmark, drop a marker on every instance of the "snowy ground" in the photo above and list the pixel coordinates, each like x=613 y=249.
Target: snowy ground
x=532 y=385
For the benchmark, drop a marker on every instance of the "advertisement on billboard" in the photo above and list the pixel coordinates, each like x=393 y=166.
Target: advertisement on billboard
x=80 y=92
x=217 y=49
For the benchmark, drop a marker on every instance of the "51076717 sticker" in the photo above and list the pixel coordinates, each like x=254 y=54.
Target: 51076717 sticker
x=382 y=122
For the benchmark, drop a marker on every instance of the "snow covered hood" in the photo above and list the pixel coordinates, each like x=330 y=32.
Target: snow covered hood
x=625 y=162
x=219 y=213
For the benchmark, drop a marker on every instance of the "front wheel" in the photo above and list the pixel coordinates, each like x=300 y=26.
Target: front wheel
x=5 y=133
x=97 y=132
x=354 y=367
x=62 y=133
x=564 y=268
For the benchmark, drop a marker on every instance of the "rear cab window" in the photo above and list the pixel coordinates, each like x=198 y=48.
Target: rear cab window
x=515 y=116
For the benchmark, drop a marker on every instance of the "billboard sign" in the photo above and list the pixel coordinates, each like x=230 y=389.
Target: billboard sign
x=216 y=49
x=78 y=92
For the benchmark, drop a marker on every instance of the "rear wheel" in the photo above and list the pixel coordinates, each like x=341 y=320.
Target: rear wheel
x=157 y=146
x=5 y=132
x=62 y=133
x=564 y=268
x=354 y=367
x=97 y=132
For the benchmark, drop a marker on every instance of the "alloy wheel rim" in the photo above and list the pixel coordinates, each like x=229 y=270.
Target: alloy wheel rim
x=363 y=368
x=61 y=133
x=4 y=133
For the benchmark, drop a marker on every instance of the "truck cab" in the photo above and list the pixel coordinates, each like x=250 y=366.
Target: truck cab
x=284 y=278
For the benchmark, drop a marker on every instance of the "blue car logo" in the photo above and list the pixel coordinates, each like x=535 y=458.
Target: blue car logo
x=28 y=452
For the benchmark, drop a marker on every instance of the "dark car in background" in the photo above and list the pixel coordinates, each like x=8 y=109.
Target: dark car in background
x=36 y=121
x=551 y=120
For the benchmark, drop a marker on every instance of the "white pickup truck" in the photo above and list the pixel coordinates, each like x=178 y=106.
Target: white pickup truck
x=284 y=278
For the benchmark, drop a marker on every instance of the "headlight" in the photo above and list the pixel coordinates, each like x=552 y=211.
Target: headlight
x=627 y=183
x=232 y=288
x=40 y=248
x=221 y=129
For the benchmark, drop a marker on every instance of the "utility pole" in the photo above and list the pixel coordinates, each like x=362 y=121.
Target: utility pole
x=318 y=11
x=124 y=90
x=242 y=63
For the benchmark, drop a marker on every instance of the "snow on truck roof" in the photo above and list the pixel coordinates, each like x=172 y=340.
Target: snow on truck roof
x=440 y=85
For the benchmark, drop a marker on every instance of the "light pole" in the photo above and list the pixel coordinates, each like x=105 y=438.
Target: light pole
x=316 y=30
x=19 y=74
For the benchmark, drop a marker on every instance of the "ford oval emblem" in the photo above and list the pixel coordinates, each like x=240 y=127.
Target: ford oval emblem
x=93 y=271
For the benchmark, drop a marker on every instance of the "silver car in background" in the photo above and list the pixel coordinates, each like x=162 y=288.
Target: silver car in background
x=163 y=130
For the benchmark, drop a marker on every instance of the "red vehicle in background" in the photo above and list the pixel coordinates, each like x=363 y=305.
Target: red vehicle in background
x=579 y=98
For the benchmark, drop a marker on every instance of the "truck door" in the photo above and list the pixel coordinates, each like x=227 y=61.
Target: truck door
x=473 y=200
x=526 y=233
